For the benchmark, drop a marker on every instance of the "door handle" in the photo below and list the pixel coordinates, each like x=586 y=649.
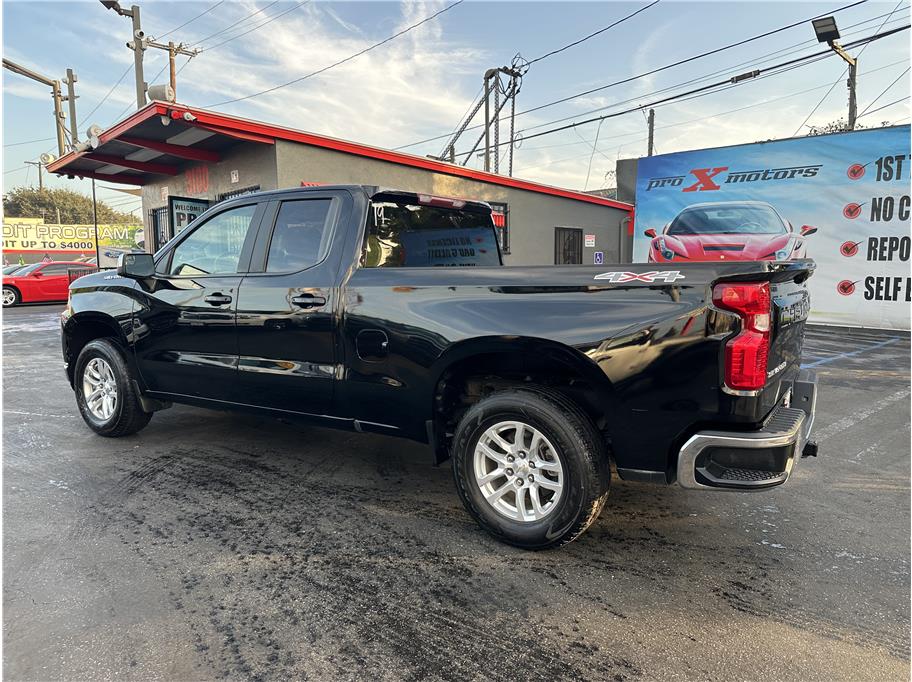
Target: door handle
x=308 y=301
x=217 y=299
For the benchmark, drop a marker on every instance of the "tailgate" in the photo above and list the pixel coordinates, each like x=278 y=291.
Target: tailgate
x=791 y=304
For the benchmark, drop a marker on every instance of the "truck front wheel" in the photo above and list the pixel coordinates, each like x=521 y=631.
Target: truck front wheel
x=530 y=467
x=105 y=391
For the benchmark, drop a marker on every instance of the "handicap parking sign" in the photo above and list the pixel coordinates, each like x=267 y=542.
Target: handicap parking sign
x=599 y=257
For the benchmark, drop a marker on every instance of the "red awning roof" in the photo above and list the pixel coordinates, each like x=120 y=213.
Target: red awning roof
x=141 y=148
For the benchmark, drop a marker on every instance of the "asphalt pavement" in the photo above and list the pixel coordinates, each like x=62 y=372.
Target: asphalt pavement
x=213 y=545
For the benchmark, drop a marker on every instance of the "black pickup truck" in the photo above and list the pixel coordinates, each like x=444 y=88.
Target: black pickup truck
x=335 y=305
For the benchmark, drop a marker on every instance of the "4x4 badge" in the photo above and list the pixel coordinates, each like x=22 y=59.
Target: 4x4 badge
x=666 y=276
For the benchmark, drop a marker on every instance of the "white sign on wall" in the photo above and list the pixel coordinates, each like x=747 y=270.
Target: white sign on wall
x=590 y=241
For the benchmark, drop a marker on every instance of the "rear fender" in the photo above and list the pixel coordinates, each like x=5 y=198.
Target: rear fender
x=525 y=357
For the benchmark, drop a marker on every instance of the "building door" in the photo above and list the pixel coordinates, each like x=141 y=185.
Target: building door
x=568 y=246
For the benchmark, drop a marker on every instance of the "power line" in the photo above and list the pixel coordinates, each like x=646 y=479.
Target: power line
x=885 y=106
x=690 y=59
x=257 y=27
x=19 y=144
x=239 y=21
x=347 y=59
x=665 y=67
x=105 y=98
x=592 y=35
x=884 y=92
x=678 y=124
x=190 y=21
x=725 y=84
x=839 y=80
x=709 y=116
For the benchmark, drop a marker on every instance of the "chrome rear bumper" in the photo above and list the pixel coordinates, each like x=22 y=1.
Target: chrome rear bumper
x=753 y=460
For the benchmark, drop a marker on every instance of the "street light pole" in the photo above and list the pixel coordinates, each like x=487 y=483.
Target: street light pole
x=95 y=221
x=59 y=116
x=827 y=32
x=136 y=44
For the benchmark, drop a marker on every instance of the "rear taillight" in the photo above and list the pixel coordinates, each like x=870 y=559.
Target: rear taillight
x=746 y=353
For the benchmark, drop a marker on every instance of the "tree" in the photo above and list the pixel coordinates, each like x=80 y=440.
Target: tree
x=840 y=126
x=75 y=208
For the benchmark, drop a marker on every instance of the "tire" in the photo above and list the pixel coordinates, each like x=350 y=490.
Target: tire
x=11 y=297
x=568 y=442
x=121 y=416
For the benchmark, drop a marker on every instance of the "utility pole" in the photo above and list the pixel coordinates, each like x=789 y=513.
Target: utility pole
x=59 y=117
x=490 y=75
x=492 y=84
x=71 y=101
x=136 y=44
x=173 y=50
x=651 y=123
x=39 y=164
x=852 y=84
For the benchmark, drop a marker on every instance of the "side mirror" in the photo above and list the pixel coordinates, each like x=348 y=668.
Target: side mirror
x=650 y=232
x=807 y=229
x=135 y=265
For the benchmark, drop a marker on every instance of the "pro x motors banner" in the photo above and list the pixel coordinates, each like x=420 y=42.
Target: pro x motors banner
x=840 y=199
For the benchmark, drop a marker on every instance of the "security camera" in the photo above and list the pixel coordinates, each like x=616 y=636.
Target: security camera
x=139 y=34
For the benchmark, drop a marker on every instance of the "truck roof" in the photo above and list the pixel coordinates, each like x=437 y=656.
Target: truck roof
x=369 y=190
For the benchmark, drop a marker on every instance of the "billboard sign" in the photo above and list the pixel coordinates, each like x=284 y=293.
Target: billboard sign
x=841 y=199
x=33 y=239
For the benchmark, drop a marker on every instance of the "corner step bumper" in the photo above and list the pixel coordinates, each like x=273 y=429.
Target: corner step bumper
x=753 y=460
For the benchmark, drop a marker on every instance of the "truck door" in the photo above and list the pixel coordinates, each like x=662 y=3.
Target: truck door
x=286 y=308
x=184 y=330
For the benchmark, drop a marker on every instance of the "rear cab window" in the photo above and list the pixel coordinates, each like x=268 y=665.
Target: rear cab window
x=408 y=231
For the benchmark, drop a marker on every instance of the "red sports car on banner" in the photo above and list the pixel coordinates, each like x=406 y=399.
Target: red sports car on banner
x=728 y=230
x=41 y=282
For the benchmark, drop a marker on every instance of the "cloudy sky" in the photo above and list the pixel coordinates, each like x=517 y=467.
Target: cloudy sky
x=420 y=84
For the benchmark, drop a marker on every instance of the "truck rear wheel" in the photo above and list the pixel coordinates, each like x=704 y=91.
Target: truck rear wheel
x=105 y=392
x=530 y=467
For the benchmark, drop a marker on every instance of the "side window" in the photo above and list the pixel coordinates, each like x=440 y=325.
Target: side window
x=215 y=246
x=300 y=236
x=55 y=269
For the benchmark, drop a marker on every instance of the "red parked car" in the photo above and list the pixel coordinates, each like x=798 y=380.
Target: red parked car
x=41 y=282
x=728 y=230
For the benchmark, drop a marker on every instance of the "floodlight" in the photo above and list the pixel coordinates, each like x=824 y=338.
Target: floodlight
x=826 y=30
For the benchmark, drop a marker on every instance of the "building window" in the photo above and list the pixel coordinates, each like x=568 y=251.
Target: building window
x=500 y=213
x=224 y=196
x=568 y=246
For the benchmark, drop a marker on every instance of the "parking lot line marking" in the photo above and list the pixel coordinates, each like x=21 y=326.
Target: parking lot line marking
x=39 y=414
x=850 y=354
x=851 y=420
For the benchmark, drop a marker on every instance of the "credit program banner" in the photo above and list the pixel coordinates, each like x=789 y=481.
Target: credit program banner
x=841 y=199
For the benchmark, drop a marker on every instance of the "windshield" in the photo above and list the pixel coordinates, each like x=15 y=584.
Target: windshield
x=405 y=234
x=727 y=219
x=11 y=269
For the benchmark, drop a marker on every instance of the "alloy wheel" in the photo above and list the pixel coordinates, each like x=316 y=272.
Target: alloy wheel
x=99 y=387
x=519 y=471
